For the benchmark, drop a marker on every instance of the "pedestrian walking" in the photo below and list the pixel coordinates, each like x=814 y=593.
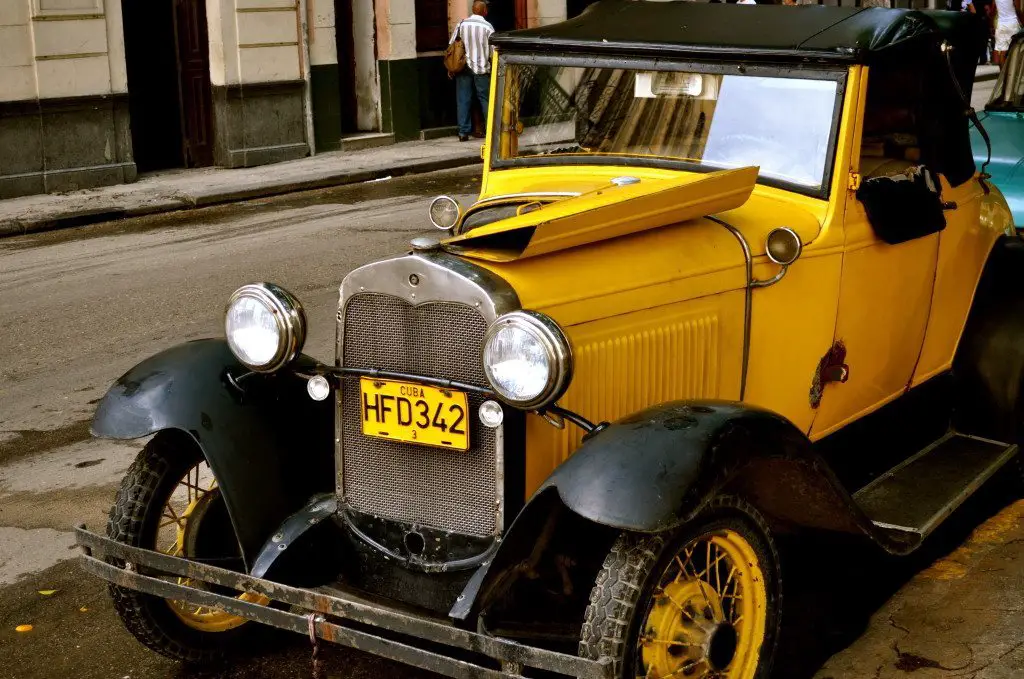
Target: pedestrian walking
x=1007 y=25
x=984 y=10
x=475 y=79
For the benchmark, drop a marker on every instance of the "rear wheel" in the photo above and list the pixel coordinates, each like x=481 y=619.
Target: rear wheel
x=700 y=603
x=169 y=501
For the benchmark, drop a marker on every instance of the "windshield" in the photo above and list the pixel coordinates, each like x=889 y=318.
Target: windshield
x=711 y=121
x=1009 y=90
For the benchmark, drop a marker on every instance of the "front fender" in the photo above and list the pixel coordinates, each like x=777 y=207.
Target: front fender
x=657 y=469
x=269 y=445
x=649 y=471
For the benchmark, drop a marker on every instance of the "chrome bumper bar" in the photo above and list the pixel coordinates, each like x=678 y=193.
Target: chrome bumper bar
x=474 y=655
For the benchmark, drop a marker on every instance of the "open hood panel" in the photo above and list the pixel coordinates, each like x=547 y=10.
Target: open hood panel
x=607 y=212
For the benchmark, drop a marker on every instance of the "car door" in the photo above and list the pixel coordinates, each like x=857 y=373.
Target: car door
x=884 y=301
x=885 y=289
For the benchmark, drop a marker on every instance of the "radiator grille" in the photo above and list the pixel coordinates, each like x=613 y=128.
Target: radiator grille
x=449 y=490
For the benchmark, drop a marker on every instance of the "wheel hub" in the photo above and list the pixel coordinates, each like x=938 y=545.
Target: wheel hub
x=721 y=647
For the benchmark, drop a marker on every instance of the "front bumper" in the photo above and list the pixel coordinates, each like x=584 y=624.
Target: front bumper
x=336 y=617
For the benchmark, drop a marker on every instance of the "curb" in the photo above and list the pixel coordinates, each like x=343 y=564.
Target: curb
x=85 y=217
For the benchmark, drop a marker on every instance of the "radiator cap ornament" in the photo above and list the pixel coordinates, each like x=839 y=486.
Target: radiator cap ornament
x=425 y=244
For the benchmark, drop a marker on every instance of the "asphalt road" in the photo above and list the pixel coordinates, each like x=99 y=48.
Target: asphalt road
x=79 y=307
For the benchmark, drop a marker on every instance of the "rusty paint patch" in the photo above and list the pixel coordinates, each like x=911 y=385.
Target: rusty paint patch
x=835 y=357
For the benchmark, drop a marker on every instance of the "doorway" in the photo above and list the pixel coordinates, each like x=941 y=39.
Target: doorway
x=169 y=98
x=344 y=23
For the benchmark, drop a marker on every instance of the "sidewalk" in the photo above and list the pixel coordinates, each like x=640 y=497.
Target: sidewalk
x=186 y=189
x=986 y=72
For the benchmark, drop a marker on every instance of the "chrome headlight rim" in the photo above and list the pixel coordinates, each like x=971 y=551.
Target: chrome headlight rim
x=448 y=200
x=289 y=317
x=556 y=346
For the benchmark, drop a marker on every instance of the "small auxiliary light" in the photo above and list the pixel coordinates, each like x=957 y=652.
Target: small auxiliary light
x=318 y=387
x=491 y=414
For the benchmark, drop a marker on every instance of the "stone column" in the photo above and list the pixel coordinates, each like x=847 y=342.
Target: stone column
x=258 y=88
x=544 y=12
x=325 y=80
x=396 y=64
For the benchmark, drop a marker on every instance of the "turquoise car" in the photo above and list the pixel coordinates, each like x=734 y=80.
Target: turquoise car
x=1003 y=119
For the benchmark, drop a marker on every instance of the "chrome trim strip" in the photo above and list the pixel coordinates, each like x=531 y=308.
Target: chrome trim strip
x=748 y=298
x=532 y=194
x=439 y=277
x=509 y=197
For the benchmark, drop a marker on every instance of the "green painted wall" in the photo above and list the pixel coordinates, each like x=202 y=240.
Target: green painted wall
x=325 y=92
x=400 y=98
x=437 y=93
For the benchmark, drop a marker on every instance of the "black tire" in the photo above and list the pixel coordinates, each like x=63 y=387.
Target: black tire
x=619 y=601
x=134 y=520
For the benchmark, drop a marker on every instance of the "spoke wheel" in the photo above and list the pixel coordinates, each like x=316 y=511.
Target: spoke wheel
x=705 y=617
x=169 y=501
x=701 y=603
x=195 y=498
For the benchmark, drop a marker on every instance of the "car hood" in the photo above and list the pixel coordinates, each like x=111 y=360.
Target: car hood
x=608 y=211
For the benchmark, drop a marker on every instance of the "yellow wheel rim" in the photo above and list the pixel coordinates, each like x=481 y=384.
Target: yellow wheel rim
x=179 y=521
x=706 y=617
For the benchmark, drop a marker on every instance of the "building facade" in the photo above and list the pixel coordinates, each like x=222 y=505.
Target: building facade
x=93 y=92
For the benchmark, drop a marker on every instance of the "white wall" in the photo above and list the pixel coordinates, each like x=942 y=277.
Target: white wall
x=322 y=46
x=544 y=12
x=60 y=48
x=365 y=44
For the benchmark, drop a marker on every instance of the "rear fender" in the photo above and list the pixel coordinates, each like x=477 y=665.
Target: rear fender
x=269 y=445
x=989 y=363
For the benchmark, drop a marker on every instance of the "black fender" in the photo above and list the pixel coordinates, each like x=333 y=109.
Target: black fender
x=658 y=468
x=989 y=364
x=654 y=470
x=268 y=443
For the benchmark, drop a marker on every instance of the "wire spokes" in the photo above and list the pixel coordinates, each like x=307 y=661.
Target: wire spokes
x=695 y=620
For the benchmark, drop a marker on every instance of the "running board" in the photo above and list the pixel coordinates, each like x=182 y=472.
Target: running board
x=918 y=494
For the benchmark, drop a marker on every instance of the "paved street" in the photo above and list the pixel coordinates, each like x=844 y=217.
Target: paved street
x=80 y=306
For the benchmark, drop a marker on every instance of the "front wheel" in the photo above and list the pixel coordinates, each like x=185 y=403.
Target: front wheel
x=169 y=501
x=702 y=602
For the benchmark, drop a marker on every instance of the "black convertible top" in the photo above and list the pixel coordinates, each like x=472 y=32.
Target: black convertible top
x=752 y=32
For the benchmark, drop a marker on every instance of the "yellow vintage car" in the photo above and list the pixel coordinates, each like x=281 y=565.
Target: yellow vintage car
x=732 y=272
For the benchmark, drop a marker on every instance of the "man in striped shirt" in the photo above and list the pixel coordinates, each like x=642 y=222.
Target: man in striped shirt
x=475 y=79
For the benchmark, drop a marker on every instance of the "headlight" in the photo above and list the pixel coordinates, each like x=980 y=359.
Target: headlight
x=265 y=326
x=527 y=359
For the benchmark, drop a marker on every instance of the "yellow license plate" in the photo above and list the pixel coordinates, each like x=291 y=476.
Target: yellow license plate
x=414 y=413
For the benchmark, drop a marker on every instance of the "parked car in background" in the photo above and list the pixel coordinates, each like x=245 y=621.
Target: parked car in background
x=1003 y=120
x=722 y=265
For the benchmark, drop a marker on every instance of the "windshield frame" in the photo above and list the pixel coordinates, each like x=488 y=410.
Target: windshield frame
x=805 y=72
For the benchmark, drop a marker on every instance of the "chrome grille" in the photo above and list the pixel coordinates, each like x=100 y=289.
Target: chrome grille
x=445 y=489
